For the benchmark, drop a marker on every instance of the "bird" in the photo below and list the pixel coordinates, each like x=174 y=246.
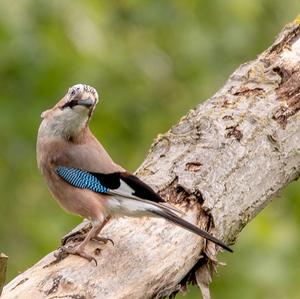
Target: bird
x=85 y=180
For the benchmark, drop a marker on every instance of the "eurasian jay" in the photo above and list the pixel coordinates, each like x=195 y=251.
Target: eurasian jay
x=83 y=178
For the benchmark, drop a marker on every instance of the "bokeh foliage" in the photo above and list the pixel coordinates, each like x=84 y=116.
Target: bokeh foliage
x=151 y=61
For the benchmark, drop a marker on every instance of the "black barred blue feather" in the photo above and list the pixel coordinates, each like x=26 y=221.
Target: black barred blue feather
x=121 y=183
x=81 y=179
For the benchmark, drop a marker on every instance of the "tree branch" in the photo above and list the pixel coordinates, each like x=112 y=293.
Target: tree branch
x=222 y=163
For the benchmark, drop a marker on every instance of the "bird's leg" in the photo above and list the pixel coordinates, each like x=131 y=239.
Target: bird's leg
x=97 y=232
x=79 y=249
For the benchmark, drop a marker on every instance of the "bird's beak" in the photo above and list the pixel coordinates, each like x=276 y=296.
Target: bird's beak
x=89 y=102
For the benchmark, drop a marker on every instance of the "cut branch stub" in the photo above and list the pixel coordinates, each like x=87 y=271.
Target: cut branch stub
x=3 y=266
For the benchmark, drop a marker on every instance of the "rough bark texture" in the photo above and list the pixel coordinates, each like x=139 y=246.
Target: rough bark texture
x=3 y=265
x=222 y=163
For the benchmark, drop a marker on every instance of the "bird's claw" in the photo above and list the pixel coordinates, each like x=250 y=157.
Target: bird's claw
x=64 y=251
x=103 y=240
x=73 y=238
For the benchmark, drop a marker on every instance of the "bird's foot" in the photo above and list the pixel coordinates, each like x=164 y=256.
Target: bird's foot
x=64 y=251
x=79 y=237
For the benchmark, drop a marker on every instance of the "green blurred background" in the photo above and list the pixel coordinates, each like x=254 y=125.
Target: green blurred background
x=151 y=61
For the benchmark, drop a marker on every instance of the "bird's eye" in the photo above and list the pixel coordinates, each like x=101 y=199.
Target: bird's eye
x=73 y=92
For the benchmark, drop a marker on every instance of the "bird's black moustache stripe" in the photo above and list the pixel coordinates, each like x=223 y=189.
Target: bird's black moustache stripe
x=70 y=104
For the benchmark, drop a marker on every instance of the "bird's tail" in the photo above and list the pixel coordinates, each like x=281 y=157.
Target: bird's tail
x=173 y=218
x=136 y=207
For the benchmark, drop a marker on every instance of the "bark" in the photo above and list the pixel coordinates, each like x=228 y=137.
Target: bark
x=3 y=266
x=222 y=163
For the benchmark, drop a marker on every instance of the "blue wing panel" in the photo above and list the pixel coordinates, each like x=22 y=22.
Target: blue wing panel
x=81 y=179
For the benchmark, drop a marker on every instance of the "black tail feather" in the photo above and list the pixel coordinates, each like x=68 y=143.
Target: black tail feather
x=170 y=216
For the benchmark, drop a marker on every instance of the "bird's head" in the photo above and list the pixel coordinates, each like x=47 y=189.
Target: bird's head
x=72 y=113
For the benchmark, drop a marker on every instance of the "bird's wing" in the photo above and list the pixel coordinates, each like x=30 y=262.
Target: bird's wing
x=121 y=184
x=116 y=183
x=135 y=195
